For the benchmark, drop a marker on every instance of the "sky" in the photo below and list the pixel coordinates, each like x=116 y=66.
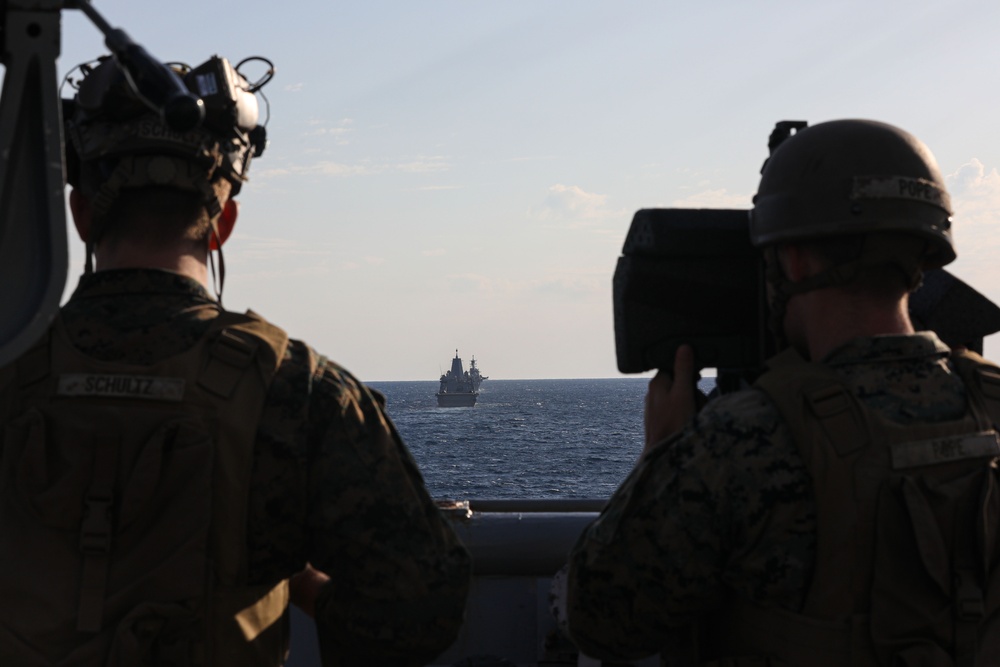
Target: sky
x=449 y=174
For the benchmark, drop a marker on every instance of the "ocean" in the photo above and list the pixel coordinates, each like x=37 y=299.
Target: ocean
x=523 y=438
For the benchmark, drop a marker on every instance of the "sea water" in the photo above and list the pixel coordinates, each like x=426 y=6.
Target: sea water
x=523 y=438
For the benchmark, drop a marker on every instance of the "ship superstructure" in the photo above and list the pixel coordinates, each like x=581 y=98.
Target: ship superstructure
x=460 y=388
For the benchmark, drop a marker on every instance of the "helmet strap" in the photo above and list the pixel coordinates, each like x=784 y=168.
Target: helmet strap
x=143 y=171
x=218 y=278
x=88 y=266
x=106 y=195
x=901 y=253
x=779 y=294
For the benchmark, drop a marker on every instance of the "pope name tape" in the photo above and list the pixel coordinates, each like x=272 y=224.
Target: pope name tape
x=900 y=187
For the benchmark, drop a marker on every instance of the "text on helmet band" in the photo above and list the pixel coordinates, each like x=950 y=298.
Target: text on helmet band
x=900 y=187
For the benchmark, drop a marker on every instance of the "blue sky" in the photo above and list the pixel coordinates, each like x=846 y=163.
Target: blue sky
x=451 y=174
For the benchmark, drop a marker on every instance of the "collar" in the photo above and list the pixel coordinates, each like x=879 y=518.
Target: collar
x=123 y=282
x=921 y=345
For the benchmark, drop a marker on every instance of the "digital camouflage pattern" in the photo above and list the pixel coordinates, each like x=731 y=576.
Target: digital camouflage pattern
x=333 y=485
x=726 y=506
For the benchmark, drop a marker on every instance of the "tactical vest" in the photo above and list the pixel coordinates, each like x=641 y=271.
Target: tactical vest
x=906 y=569
x=123 y=505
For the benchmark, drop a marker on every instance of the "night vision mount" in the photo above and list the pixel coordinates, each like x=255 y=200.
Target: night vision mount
x=33 y=250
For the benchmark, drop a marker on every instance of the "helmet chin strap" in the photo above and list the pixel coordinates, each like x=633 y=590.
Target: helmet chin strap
x=88 y=266
x=218 y=278
x=142 y=171
x=778 y=296
x=879 y=250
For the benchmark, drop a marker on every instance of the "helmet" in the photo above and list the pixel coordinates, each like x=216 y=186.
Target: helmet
x=853 y=177
x=110 y=126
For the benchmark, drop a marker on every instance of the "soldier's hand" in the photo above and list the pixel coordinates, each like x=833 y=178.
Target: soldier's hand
x=671 y=399
x=304 y=587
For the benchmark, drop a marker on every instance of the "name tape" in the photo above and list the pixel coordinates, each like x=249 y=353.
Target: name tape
x=944 y=450
x=121 y=386
x=900 y=187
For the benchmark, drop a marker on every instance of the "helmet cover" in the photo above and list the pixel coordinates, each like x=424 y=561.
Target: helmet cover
x=108 y=120
x=853 y=177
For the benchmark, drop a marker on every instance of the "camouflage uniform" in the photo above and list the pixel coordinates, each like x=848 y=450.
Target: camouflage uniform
x=726 y=506
x=343 y=493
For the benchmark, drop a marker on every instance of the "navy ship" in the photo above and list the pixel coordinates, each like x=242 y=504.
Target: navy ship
x=460 y=389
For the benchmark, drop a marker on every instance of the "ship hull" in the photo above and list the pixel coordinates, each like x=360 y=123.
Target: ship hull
x=457 y=399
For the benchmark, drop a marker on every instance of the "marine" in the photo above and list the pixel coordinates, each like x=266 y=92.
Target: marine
x=174 y=475
x=840 y=511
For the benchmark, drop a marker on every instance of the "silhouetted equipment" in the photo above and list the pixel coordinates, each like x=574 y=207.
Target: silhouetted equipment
x=32 y=218
x=158 y=85
x=956 y=312
x=782 y=130
x=691 y=276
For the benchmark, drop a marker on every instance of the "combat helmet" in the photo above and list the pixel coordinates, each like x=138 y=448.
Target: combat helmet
x=110 y=126
x=852 y=177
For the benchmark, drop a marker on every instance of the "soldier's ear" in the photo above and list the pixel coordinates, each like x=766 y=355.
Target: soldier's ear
x=225 y=224
x=82 y=211
x=797 y=262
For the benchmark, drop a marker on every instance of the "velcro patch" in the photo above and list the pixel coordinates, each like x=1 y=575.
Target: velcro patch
x=900 y=187
x=944 y=450
x=121 y=386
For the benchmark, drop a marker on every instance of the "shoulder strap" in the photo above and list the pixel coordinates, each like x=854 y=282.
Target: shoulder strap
x=243 y=353
x=831 y=431
x=247 y=619
x=237 y=341
x=982 y=380
x=795 y=385
x=842 y=445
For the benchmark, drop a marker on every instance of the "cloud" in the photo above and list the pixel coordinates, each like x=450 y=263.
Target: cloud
x=719 y=198
x=430 y=188
x=339 y=132
x=472 y=281
x=434 y=252
x=419 y=164
x=975 y=194
x=272 y=248
x=572 y=284
x=294 y=87
x=571 y=203
x=368 y=260
x=423 y=164
x=329 y=131
x=531 y=158
x=264 y=174
x=263 y=258
x=322 y=168
x=975 y=197
x=337 y=169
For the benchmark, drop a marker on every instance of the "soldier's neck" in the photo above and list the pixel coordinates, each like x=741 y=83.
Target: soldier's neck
x=185 y=260
x=833 y=319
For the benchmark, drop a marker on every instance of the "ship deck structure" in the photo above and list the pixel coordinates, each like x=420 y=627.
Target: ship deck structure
x=459 y=387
